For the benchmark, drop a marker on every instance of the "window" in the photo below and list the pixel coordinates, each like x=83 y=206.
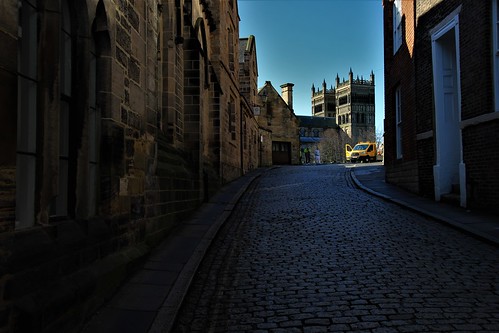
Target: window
x=230 y=42
x=60 y=204
x=397 y=25
x=26 y=122
x=398 y=122
x=232 y=119
x=343 y=100
x=495 y=48
x=94 y=119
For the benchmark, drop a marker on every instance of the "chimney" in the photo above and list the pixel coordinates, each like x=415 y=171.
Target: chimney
x=287 y=94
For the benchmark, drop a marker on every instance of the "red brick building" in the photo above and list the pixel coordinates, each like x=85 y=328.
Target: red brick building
x=442 y=99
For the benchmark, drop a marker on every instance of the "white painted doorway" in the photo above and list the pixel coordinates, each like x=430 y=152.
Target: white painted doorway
x=449 y=169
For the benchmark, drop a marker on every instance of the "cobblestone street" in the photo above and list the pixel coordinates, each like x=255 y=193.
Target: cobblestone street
x=306 y=251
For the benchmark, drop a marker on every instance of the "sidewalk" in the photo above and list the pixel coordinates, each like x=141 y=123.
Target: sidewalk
x=150 y=300
x=372 y=180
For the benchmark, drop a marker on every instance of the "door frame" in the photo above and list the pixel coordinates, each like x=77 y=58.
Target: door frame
x=449 y=25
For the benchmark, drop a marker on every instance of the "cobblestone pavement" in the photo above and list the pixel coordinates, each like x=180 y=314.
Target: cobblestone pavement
x=305 y=251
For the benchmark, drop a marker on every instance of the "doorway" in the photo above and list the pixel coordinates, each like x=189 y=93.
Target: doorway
x=281 y=152
x=449 y=169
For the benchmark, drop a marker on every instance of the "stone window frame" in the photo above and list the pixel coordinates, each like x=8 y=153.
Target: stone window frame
x=33 y=203
x=27 y=114
x=232 y=118
x=94 y=133
x=59 y=206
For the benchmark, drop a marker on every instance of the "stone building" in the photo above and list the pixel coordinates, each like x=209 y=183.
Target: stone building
x=324 y=101
x=351 y=103
x=322 y=133
x=275 y=115
x=119 y=118
x=355 y=112
x=248 y=79
x=446 y=54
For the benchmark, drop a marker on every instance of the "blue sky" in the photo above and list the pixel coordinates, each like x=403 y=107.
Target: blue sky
x=307 y=41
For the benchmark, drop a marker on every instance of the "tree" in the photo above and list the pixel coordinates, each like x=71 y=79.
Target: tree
x=330 y=146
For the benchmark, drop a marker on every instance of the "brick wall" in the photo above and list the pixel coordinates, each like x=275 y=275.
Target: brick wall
x=481 y=156
x=399 y=73
x=477 y=97
x=476 y=67
x=426 y=160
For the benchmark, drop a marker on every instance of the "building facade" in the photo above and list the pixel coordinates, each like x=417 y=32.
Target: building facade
x=448 y=51
x=324 y=101
x=322 y=133
x=276 y=117
x=119 y=118
x=355 y=111
x=351 y=103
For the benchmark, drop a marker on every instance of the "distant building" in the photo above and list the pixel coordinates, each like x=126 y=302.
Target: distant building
x=278 y=120
x=325 y=134
x=323 y=101
x=349 y=106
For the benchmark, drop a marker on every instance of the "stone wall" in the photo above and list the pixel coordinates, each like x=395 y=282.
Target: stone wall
x=156 y=125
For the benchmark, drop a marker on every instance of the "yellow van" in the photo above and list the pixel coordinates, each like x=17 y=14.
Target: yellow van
x=348 y=152
x=363 y=152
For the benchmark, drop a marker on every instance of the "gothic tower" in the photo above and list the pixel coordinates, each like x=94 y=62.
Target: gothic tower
x=351 y=103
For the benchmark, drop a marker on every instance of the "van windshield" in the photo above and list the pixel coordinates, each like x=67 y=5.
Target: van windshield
x=360 y=147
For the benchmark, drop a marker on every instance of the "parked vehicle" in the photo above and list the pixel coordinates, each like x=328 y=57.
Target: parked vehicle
x=363 y=152
x=348 y=152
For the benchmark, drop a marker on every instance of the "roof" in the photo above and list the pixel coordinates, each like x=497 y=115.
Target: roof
x=317 y=122
x=307 y=139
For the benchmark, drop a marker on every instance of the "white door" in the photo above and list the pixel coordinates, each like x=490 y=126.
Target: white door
x=448 y=170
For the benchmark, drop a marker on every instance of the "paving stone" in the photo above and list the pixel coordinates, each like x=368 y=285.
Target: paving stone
x=306 y=251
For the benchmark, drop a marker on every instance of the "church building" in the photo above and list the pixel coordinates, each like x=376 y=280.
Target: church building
x=351 y=103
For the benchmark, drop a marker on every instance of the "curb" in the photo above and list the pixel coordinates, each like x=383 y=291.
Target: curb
x=440 y=218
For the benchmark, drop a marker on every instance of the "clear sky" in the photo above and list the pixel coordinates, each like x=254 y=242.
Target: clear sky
x=307 y=41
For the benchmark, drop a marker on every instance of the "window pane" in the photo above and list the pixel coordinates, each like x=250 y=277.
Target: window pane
x=59 y=208
x=25 y=190
x=64 y=129
x=26 y=132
